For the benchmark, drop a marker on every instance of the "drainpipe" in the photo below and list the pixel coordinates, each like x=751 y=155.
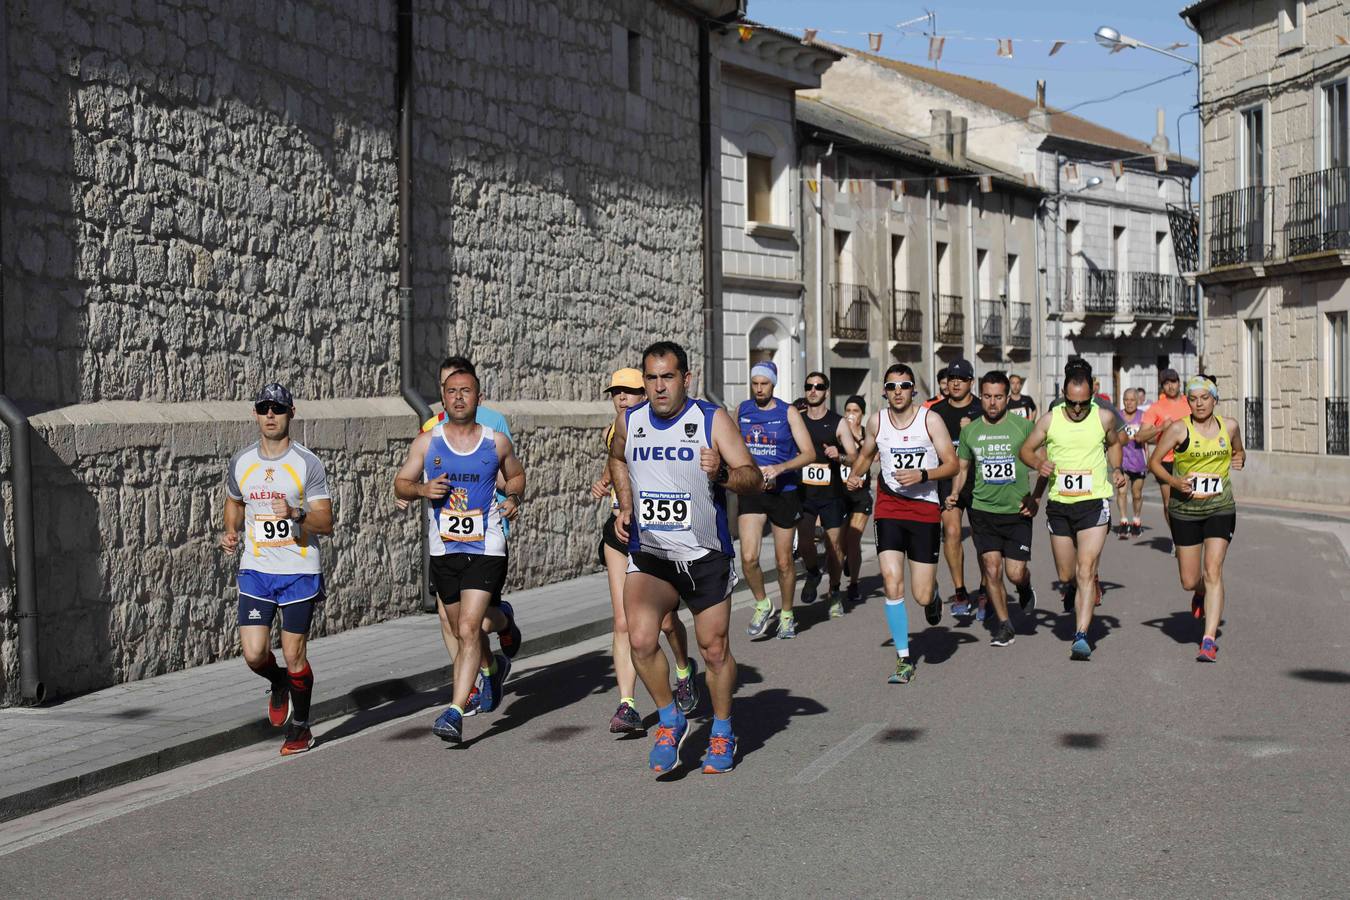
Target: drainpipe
x=712 y=299
x=405 y=291
x=1038 y=316
x=31 y=689
x=1200 y=209
x=820 y=259
x=932 y=295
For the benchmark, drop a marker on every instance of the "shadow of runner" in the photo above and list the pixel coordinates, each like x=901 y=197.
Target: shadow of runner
x=1181 y=627
x=1322 y=676
x=383 y=701
x=548 y=690
x=934 y=646
x=1062 y=625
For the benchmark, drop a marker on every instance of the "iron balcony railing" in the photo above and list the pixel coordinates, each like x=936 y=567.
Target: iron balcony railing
x=1145 y=295
x=951 y=319
x=1239 y=227
x=850 y=312
x=1254 y=430
x=906 y=317
x=991 y=323
x=1154 y=296
x=1319 y=212
x=1338 y=426
x=1019 y=325
x=1089 y=291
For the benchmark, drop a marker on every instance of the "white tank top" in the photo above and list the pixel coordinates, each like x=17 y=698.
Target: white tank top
x=678 y=513
x=906 y=448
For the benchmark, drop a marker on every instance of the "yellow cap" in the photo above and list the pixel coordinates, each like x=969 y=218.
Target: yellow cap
x=628 y=379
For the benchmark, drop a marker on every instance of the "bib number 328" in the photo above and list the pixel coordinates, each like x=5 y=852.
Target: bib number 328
x=998 y=471
x=663 y=511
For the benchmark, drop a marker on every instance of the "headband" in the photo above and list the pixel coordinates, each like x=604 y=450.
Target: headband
x=1200 y=383
x=764 y=370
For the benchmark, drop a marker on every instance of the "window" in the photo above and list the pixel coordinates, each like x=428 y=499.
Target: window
x=1336 y=138
x=1289 y=15
x=982 y=287
x=899 y=265
x=758 y=188
x=1120 y=259
x=940 y=270
x=843 y=257
x=1014 y=289
x=634 y=62
x=1162 y=253
x=1253 y=161
x=1256 y=359
x=1338 y=364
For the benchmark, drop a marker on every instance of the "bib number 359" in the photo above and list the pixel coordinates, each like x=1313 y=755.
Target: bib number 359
x=663 y=511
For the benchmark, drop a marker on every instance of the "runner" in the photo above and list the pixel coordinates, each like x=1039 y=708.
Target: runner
x=780 y=445
x=1017 y=404
x=858 y=504
x=1001 y=508
x=1170 y=407
x=673 y=459
x=1203 y=515
x=625 y=391
x=958 y=408
x=277 y=494
x=823 y=492
x=1134 y=462
x=1081 y=442
x=916 y=453
x=942 y=389
x=455 y=467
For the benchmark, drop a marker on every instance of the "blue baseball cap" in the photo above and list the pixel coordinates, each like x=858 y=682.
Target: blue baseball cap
x=961 y=368
x=275 y=393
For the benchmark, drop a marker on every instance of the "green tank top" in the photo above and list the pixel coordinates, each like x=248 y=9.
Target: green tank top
x=1079 y=453
x=1209 y=460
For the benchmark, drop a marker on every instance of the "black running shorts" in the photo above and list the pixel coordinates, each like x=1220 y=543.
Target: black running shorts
x=456 y=572
x=920 y=541
x=858 y=502
x=610 y=538
x=701 y=584
x=1009 y=534
x=783 y=508
x=1191 y=532
x=1067 y=519
x=830 y=511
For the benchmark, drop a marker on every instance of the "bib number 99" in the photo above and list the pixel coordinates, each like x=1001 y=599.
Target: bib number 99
x=269 y=531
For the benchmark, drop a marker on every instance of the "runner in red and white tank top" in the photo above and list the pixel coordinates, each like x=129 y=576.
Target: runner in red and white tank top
x=906 y=447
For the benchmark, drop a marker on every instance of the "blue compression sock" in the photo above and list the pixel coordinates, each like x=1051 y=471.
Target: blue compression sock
x=898 y=619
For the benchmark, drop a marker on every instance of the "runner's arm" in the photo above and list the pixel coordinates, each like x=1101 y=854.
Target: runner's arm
x=1239 y=457
x=743 y=476
x=1032 y=457
x=408 y=479
x=862 y=462
x=234 y=523
x=318 y=518
x=806 y=448
x=1167 y=442
x=958 y=482
x=942 y=443
x=510 y=469
x=618 y=476
x=1115 y=447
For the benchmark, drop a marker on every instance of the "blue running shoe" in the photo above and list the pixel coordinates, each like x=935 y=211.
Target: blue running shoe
x=486 y=695
x=450 y=726
x=665 y=754
x=721 y=755
x=1081 y=649
x=495 y=685
x=787 y=627
x=509 y=637
x=686 y=690
x=475 y=697
x=760 y=621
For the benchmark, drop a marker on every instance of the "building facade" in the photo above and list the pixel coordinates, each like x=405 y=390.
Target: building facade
x=1277 y=243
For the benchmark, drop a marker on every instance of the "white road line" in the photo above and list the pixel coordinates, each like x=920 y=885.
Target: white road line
x=837 y=754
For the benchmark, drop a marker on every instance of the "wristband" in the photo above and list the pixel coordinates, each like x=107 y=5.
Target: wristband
x=923 y=475
x=515 y=497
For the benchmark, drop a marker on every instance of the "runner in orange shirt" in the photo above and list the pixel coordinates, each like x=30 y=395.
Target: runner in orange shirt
x=1170 y=407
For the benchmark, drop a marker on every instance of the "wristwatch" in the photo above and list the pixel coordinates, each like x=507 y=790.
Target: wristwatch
x=923 y=475
x=516 y=497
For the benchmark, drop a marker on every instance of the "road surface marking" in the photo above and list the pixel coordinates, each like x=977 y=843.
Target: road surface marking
x=836 y=754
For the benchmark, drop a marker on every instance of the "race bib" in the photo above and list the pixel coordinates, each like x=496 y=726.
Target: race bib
x=909 y=459
x=845 y=473
x=998 y=471
x=271 y=531
x=1074 y=484
x=816 y=475
x=461 y=524
x=663 y=511
x=1131 y=431
x=1205 y=485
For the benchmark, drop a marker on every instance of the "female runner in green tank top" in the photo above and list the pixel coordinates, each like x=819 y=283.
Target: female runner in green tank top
x=1202 y=512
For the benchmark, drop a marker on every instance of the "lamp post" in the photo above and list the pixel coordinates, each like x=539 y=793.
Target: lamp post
x=1113 y=40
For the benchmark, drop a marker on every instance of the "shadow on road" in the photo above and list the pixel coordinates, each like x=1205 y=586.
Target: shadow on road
x=549 y=690
x=1062 y=625
x=382 y=701
x=1322 y=676
x=1082 y=740
x=900 y=735
x=938 y=644
x=810 y=616
x=1181 y=627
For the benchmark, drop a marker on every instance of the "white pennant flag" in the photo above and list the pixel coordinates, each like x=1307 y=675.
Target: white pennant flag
x=935 y=48
x=1005 y=47
x=874 y=41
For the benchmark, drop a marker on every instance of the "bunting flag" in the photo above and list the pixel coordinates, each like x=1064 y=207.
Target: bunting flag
x=1029 y=179
x=874 y=41
x=1160 y=163
x=808 y=34
x=1005 y=47
x=935 y=48
x=1340 y=39
x=986 y=184
x=811 y=185
x=943 y=185
x=1118 y=168
x=1071 y=172
x=1057 y=46
x=746 y=32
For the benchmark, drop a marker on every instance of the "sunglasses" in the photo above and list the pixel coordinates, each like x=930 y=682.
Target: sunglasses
x=815 y=387
x=899 y=385
x=270 y=406
x=1078 y=404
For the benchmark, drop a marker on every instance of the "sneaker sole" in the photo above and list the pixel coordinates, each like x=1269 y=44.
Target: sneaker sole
x=1078 y=656
x=625 y=729
x=447 y=735
x=678 y=747
x=293 y=751
x=1007 y=643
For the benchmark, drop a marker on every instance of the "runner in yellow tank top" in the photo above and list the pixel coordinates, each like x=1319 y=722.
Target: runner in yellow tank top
x=1082 y=451
x=1202 y=512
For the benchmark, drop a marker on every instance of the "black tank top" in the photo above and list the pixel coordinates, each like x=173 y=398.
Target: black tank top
x=824 y=433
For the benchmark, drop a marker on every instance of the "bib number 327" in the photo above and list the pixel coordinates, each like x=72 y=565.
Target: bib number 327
x=461 y=524
x=663 y=511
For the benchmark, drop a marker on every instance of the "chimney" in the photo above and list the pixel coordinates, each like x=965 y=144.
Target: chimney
x=959 y=124
x=1159 y=143
x=1039 y=117
x=940 y=133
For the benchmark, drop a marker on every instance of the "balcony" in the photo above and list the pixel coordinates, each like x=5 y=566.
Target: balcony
x=1319 y=212
x=1254 y=423
x=991 y=322
x=1019 y=330
x=850 y=312
x=951 y=319
x=906 y=317
x=1338 y=426
x=1154 y=296
x=1089 y=291
x=1144 y=295
x=1239 y=227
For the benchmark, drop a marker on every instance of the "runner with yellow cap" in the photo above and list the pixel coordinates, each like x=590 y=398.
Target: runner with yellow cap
x=626 y=391
x=1205 y=448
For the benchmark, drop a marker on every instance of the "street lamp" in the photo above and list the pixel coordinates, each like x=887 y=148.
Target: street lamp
x=1113 y=40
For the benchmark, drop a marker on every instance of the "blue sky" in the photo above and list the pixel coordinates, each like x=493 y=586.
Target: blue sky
x=1077 y=73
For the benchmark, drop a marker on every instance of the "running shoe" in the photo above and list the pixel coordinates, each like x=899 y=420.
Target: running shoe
x=1136 y=529
x=487 y=695
x=810 y=587
x=665 y=754
x=1069 y=596
x=471 y=708
x=854 y=593
x=497 y=681
x=981 y=606
x=904 y=671
x=760 y=621
x=449 y=726
x=932 y=613
x=626 y=721
x=298 y=740
x=509 y=637
x=686 y=690
x=1123 y=531
x=787 y=627
x=1081 y=649
x=279 y=704
x=1003 y=635
x=961 y=605
x=721 y=755
x=1027 y=599
x=836 y=604
x=1209 y=651
x=1198 y=604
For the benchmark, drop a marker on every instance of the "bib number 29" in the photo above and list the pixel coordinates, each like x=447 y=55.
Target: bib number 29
x=461 y=525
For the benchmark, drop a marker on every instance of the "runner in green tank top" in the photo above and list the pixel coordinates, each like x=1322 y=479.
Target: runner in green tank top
x=1202 y=512
x=1082 y=457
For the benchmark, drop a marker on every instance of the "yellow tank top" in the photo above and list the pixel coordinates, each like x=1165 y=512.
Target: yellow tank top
x=1209 y=460
x=609 y=442
x=1078 y=451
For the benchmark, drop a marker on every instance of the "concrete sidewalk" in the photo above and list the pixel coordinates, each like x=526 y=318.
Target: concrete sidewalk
x=58 y=753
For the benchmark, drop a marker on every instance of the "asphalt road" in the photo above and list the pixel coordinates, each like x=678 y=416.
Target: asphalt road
x=996 y=772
